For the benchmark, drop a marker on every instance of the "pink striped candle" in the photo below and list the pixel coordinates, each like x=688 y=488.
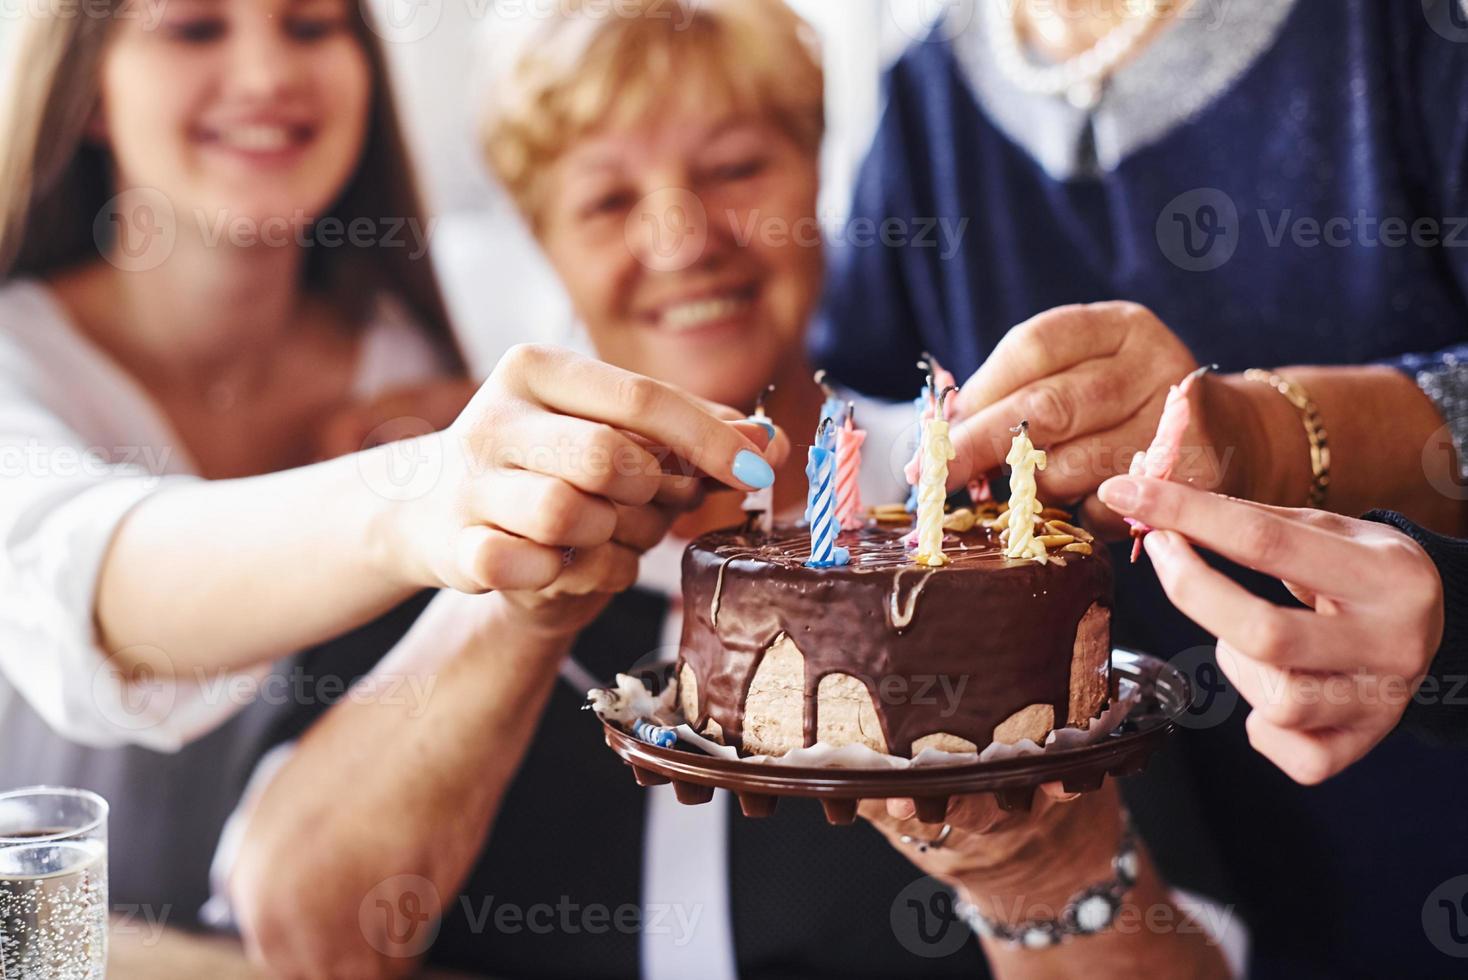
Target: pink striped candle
x=849 y=511
x=1167 y=446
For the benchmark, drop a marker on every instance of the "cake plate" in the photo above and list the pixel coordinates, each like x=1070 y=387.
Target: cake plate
x=1163 y=696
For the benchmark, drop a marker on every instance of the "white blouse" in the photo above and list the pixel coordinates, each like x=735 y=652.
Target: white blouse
x=81 y=444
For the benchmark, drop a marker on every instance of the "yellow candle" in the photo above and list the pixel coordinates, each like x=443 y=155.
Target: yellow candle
x=937 y=450
x=1024 y=506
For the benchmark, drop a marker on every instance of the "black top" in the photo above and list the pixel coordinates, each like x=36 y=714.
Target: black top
x=1439 y=712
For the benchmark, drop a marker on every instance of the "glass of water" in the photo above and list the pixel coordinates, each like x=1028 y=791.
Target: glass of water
x=53 y=884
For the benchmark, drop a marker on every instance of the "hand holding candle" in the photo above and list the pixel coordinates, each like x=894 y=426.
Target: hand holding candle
x=1024 y=504
x=759 y=505
x=1160 y=458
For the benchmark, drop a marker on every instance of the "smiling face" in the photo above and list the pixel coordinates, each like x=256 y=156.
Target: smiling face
x=689 y=245
x=252 y=109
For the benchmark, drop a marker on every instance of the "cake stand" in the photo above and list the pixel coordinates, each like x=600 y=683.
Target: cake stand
x=1163 y=696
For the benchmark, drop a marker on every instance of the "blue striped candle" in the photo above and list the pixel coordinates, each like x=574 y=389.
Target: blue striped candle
x=832 y=408
x=655 y=734
x=820 y=505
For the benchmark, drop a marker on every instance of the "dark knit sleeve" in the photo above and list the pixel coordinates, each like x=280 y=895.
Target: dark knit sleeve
x=1440 y=710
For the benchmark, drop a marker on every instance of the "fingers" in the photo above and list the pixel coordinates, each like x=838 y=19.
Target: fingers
x=1092 y=398
x=591 y=456
x=487 y=559
x=544 y=510
x=592 y=390
x=1041 y=346
x=679 y=493
x=1257 y=628
x=640 y=528
x=1261 y=539
x=610 y=568
x=1309 y=757
x=1298 y=700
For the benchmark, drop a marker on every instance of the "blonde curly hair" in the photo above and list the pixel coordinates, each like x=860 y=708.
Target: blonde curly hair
x=602 y=63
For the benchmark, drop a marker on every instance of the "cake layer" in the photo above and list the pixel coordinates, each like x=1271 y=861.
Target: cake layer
x=884 y=652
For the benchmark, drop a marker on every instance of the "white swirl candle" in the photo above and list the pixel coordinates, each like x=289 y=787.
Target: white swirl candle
x=937 y=450
x=1024 y=504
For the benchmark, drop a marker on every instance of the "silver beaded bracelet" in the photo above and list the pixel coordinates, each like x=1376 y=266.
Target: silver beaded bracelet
x=1088 y=912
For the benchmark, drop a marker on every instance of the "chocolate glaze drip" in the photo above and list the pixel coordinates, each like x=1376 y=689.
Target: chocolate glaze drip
x=1003 y=629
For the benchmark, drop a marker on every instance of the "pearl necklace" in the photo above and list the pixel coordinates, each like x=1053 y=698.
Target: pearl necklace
x=1080 y=79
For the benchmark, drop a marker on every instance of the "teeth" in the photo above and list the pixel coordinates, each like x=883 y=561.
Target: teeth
x=256 y=138
x=690 y=316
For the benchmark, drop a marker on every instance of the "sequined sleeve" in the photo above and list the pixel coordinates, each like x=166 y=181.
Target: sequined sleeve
x=1443 y=377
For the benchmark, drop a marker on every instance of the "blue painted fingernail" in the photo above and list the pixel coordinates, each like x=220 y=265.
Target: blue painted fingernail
x=763 y=423
x=751 y=469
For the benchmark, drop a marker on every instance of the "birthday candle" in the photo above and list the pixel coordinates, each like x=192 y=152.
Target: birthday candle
x=759 y=505
x=1024 y=505
x=820 y=507
x=848 y=469
x=832 y=408
x=658 y=735
x=1162 y=455
x=937 y=450
x=938 y=380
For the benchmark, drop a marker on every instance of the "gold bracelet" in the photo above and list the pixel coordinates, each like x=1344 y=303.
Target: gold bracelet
x=1314 y=430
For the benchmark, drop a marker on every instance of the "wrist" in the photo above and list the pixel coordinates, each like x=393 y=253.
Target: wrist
x=539 y=632
x=1068 y=848
x=1265 y=454
x=393 y=480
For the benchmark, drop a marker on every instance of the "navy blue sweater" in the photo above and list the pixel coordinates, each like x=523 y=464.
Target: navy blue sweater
x=1357 y=111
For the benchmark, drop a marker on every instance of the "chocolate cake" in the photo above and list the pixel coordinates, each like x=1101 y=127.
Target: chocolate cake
x=886 y=653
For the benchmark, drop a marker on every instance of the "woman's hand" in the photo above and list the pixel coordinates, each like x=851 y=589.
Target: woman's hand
x=1020 y=867
x=1091 y=380
x=990 y=851
x=557 y=451
x=1326 y=683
